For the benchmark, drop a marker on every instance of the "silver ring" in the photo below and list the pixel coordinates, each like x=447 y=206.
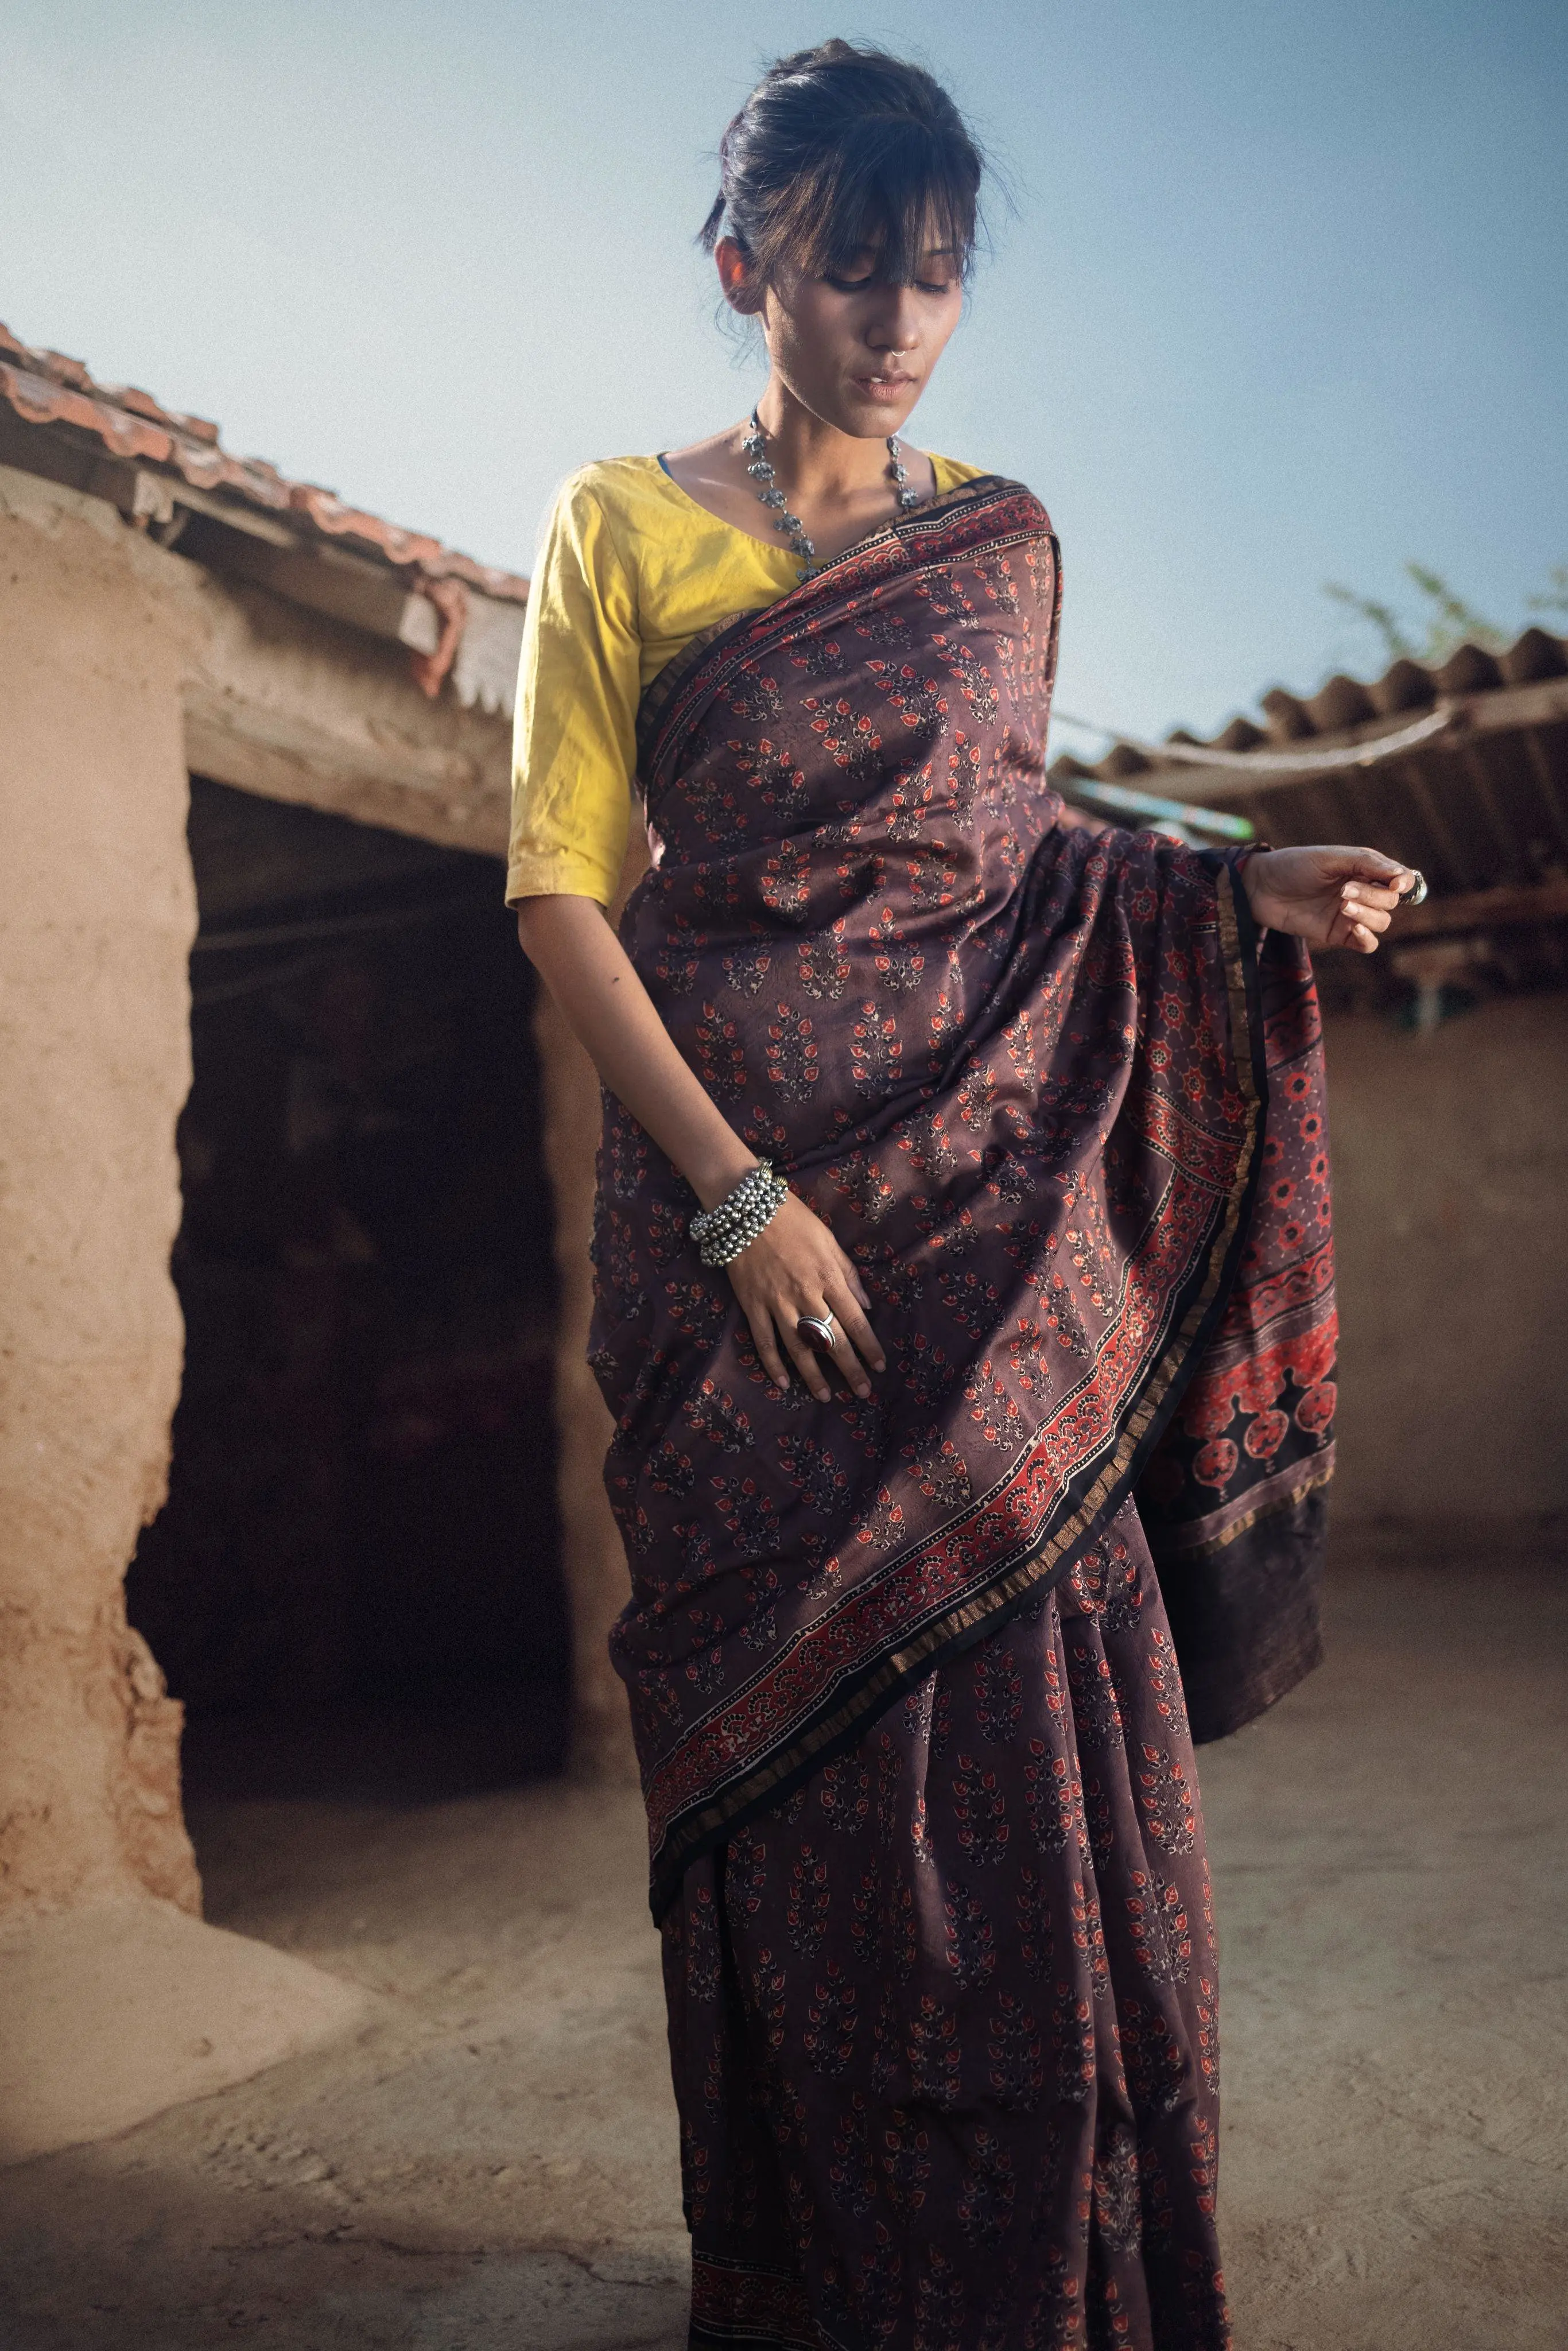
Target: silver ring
x=818 y=1329
x=1417 y=897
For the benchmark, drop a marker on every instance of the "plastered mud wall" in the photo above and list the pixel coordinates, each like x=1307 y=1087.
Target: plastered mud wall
x=1450 y=1168
x=120 y=667
x=95 y=927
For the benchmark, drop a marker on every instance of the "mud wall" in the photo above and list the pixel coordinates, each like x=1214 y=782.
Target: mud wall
x=1450 y=1160
x=120 y=665
x=95 y=927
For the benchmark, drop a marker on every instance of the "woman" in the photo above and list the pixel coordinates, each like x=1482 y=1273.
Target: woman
x=962 y=1228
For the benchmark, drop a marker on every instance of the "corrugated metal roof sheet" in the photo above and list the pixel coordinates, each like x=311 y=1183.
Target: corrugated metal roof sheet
x=45 y=387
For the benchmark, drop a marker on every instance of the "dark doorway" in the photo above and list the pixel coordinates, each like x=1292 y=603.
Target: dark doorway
x=355 y=1585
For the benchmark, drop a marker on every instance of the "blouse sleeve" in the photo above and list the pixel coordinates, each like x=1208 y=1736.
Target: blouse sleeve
x=574 y=738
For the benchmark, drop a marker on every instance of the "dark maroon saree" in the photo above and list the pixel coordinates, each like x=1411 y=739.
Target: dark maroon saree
x=1063 y=1115
x=924 y=1833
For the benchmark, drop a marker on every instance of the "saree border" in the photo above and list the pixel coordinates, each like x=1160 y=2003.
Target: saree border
x=1280 y=1492
x=1090 y=1494
x=752 y=2304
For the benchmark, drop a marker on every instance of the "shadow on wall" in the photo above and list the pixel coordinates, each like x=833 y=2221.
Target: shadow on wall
x=355 y=1583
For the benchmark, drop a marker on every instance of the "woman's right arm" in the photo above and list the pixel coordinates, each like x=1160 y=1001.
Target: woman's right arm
x=795 y=1267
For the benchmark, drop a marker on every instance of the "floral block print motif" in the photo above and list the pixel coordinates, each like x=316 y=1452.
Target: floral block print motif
x=1232 y=1500
x=952 y=2135
x=1025 y=1074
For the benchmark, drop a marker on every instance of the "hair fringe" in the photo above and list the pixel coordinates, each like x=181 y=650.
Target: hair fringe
x=838 y=148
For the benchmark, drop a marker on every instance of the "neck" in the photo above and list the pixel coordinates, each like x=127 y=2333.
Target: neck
x=818 y=461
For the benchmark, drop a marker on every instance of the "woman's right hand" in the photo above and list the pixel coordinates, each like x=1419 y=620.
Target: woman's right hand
x=795 y=1267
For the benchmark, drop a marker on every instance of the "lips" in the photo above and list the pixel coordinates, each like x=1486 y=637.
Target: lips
x=886 y=387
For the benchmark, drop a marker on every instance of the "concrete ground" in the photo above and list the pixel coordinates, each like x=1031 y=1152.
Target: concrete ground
x=486 y=2163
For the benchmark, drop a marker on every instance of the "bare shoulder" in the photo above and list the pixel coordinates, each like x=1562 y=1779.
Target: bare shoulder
x=712 y=473
x=923 y=469
x=708 y=464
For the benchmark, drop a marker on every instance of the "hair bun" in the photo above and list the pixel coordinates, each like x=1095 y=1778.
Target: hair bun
x=839 y=150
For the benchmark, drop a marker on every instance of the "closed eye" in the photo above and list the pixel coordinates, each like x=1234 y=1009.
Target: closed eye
x=859 y=285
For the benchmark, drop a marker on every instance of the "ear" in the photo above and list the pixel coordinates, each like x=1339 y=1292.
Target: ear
x=735 y=275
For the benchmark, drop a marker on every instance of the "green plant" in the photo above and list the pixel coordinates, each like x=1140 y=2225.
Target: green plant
x=1446 y=622
x=1555 y=599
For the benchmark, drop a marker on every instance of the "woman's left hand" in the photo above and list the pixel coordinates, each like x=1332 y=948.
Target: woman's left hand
x=1330 y=897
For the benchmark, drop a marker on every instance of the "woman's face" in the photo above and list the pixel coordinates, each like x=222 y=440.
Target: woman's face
x=854 y=350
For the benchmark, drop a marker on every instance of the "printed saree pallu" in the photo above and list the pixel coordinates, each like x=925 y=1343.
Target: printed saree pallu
x=1065 y=1118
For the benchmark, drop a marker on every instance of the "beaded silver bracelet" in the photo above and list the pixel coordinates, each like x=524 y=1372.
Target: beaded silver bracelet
x=733 y=1223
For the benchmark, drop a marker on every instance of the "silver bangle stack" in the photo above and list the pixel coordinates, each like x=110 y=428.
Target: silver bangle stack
x=733 y=1223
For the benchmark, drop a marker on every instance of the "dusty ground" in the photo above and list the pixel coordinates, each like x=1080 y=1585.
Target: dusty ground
x=488 y=2166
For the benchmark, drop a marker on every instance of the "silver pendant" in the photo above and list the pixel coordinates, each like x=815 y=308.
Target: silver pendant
x=760 y=468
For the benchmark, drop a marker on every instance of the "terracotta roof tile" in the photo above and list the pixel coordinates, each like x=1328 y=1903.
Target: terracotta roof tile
x=1345 y=706
x=45 y=387
x=1481 y=804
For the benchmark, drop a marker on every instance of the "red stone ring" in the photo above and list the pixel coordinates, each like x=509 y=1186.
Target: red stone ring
x=818 y=1329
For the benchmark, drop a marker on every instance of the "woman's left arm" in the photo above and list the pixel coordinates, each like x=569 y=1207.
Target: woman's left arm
x=1330 y=897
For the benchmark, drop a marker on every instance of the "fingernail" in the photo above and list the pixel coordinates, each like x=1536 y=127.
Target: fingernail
x=879 y=1364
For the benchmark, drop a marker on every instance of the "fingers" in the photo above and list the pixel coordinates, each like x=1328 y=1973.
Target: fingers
x=853 y=1340
x=1363 y=913
x=796 y=1267
x=1380 y=881
x=1367 y=907
x=779 y=1343
x=1364 y=864
x=1348 y=929
x=809 y=1364
x=854 y=1343
x=857 y=1330
x=849 y=1275
x=761 y=1323
x=856 y=1287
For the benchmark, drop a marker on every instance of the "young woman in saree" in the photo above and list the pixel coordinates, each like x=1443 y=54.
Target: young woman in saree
x=964 y=1305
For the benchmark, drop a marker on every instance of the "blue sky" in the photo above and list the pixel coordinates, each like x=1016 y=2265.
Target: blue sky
x=1283 y=299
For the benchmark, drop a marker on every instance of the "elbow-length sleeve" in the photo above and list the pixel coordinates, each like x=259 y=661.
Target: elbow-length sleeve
x=574 y=738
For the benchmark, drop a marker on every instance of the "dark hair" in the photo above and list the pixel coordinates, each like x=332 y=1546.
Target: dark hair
x=839 y=149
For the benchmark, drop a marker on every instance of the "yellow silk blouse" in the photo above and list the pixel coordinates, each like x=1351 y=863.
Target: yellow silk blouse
x=632 y=568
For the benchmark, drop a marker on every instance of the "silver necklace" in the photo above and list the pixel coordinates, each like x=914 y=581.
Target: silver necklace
x=755 y=443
